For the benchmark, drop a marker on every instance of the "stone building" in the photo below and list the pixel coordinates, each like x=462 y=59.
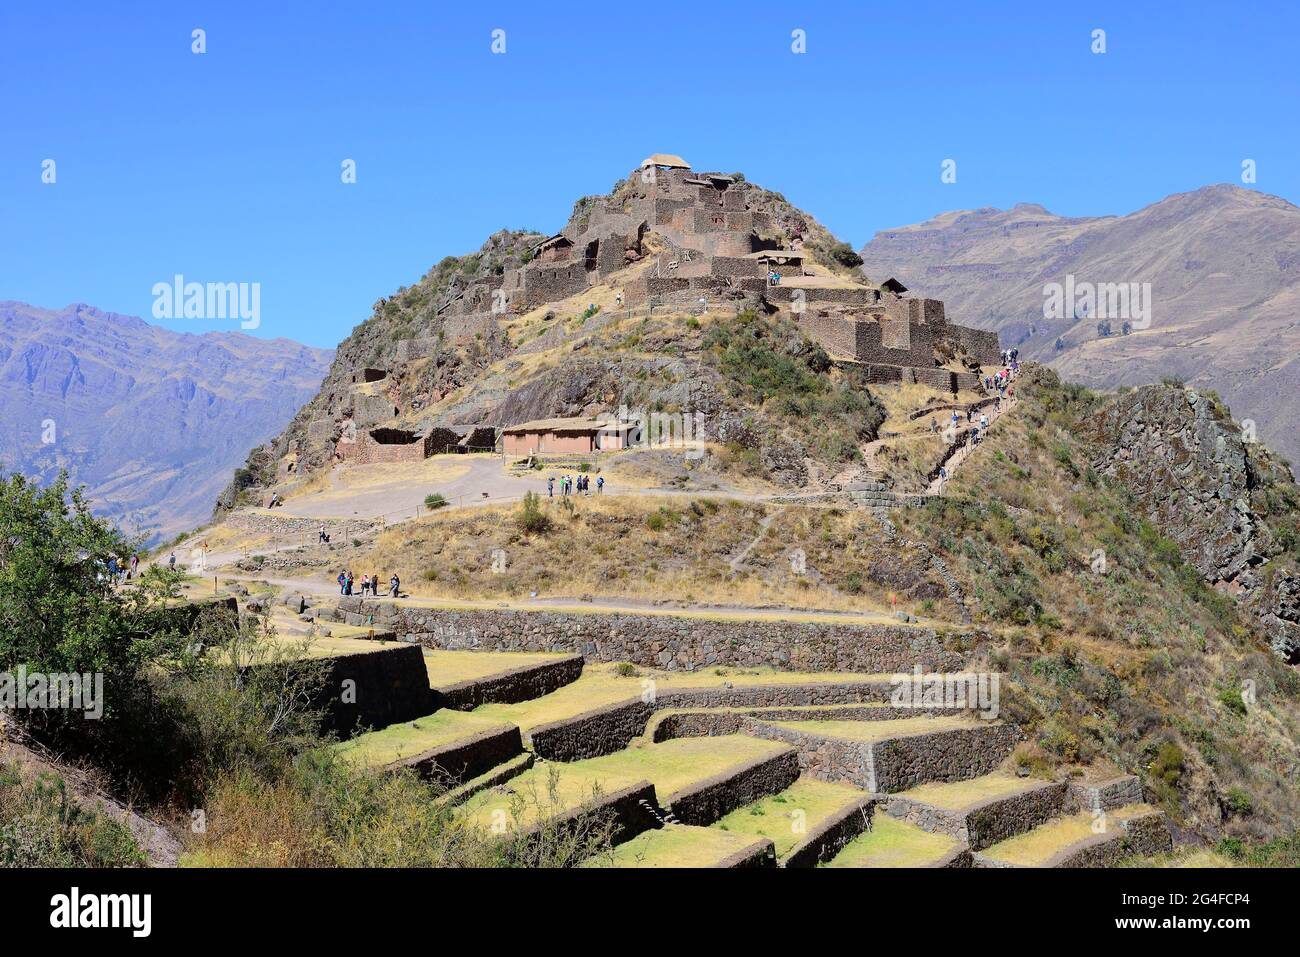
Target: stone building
x=555 y=436
x=716 y=248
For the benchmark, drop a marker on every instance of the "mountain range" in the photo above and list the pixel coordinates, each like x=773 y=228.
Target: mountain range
x=150 y=420
x=1223 y=264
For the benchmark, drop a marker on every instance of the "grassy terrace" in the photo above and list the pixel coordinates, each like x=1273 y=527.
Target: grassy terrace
x=894 y=843
x=602 y=685
x=406 y=740
x=777 y=816
x=675 y=845
x=670 y=767
x=447 y=668
x=1035 y=848
x=956 y=795
x=879 y=730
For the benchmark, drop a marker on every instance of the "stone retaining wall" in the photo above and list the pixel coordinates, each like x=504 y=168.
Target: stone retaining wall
x=383 y=687
x=717 y=796
x=759 y=854
x=896 y=764
x=982 y=825
x=1106 y=795
x=678 y=643
x=830 y=836
x=518 y=684
x=630 y=809
x=608 y=729
x=464 y=760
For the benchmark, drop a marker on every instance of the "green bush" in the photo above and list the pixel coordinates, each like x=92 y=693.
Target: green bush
x=41 y=825
x=531 y=518
x=434 y=500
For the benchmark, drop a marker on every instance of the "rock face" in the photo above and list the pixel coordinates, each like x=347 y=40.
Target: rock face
x=150 y=420
x=1222 y=264
x=1205 y=487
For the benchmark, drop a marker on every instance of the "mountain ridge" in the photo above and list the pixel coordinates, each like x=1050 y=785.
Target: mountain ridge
x=149 y=419
x=1222 y=262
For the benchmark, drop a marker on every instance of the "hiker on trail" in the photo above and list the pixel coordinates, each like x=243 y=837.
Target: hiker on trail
x=550 y=486
x=343 y=582
x=934 y=425
x=349 y=585
x=393 y=584
x=984 y=421
x=112 y=570
x=943 y=475
x=365 y=584
x=600 y=484
x=135 y=564
x=323 y=537
x=171 y=562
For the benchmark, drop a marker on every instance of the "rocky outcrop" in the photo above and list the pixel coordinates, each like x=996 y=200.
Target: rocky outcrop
x=1197 y=477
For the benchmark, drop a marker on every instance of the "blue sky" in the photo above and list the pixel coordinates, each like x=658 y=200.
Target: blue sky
x=225 y=166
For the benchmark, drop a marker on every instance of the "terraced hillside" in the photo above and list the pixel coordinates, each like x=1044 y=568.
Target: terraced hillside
x=765 y=769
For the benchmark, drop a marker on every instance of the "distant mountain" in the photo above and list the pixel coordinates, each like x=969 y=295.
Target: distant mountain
x=150 y=420
x=1224 y=268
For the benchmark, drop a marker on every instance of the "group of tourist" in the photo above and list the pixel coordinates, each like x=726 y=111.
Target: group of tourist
x=369 y=584
x=773 y=277
x=123 y=571
x=569 y=485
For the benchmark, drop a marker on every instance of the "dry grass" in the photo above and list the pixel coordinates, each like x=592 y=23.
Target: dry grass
x=652 y=549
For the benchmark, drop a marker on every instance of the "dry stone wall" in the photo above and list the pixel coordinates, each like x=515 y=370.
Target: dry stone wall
x=677 y=643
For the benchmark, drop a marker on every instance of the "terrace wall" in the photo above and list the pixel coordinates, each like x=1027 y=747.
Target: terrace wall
x=680 y=643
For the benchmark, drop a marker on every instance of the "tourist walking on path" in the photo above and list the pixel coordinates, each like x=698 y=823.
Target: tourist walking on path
x=550 y=486
x=365 y=584
x=393 y=584
x=600 y=484
x=343 y=582
x=171 y=562
x=323 y=538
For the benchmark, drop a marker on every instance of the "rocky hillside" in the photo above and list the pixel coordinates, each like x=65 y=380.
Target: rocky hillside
x=1224 y=268
x=1229 y=504
x=150 y=420
x=583 y=355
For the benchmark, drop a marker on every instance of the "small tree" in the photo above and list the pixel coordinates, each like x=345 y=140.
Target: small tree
x=531 y=518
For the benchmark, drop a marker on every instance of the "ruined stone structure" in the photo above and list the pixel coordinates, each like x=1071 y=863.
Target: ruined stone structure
x=715 y=248
x=667 y=237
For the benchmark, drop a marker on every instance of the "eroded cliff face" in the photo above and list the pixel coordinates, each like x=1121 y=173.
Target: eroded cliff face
x=1228 y=503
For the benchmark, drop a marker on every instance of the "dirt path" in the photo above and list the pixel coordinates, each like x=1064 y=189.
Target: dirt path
x=323 y=587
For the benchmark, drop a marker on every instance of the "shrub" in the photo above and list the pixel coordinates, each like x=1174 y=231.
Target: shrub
x=1238 y=802
x=531 y=518
x=41 y=825
x=435 y=500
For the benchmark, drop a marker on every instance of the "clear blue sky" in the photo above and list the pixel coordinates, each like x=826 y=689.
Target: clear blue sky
x=225 y=166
